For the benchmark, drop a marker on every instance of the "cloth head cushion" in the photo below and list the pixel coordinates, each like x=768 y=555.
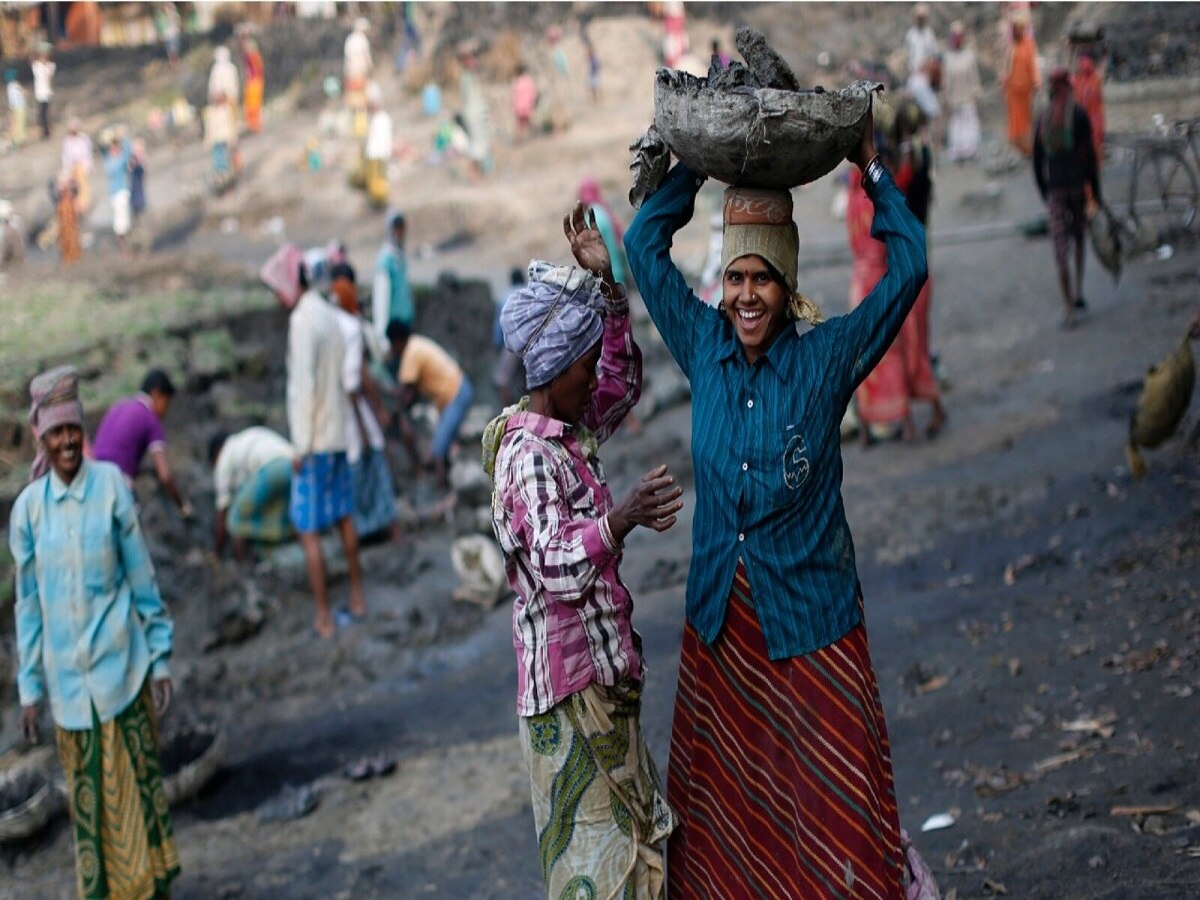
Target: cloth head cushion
x=759 y=223
x=54 y=400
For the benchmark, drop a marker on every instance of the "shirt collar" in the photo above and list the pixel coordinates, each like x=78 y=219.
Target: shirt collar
x=728 y=347
x=536 y=423
x=143 y=398
x=76 y=490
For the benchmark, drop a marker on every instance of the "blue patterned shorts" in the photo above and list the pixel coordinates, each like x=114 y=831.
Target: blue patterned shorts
x=322 y=492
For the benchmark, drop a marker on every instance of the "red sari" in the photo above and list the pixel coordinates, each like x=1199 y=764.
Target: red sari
x=905 y=373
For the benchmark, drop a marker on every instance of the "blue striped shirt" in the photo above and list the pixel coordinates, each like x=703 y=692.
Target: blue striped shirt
x=765 y=437
x=91 y=624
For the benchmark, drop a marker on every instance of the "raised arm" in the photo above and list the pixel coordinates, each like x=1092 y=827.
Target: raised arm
x=619 y=379
x=863 y=336
x=619 y=376
x=676 y=311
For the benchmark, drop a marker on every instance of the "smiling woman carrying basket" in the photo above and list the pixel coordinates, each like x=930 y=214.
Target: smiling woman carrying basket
x=780 y=768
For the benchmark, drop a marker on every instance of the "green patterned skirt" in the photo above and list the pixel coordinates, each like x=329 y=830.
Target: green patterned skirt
x=124 y=845
x=601 y=819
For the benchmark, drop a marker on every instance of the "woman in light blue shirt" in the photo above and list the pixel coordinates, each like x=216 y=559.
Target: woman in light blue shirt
x=94 y=636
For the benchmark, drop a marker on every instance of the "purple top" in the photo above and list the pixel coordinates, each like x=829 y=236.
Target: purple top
x=127 y=431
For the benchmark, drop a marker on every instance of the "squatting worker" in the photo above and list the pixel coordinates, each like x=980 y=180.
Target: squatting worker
x=579 y=666
x=93 y=635
x=252 y=481
x=779 y=762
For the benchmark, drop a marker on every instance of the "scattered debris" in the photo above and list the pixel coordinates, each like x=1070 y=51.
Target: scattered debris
x=1050 y=763
x=373 y=766
x=1101 y=727
x=938 y=821
x=1150 y=810
x=290 y=803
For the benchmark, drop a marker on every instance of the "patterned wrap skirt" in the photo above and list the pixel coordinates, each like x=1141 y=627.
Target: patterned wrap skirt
x=124 y=844
x=322 y=492
x=374 y=495
x=780 y=770
x=259 y=511
x=597 y=802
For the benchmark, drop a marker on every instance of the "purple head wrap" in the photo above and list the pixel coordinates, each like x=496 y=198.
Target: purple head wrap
x=552 y=321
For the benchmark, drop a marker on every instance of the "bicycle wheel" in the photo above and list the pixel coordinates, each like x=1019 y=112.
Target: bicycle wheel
x=1163 y=193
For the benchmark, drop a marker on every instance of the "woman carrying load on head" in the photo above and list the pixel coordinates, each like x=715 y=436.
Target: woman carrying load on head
x=93 y=635
x=598 y=809
x=780 y=768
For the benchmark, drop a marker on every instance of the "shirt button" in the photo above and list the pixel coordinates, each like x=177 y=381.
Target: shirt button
x=745 y=466
x=741 y=537
x=750 y=404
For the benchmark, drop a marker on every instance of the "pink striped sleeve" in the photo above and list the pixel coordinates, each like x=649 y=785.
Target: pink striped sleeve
x=619 y=380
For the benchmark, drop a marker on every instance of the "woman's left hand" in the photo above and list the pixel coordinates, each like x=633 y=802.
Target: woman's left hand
x=864 y=151
x=161 y=690
x=587 y=245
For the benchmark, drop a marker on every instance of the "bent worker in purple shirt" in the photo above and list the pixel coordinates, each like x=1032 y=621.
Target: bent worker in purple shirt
x=133 y=426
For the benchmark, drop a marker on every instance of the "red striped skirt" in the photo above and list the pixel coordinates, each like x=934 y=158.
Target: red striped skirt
x=780 y=771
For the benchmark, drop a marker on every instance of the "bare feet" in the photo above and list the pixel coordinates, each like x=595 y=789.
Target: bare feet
x=937 y=423
x=908 y=432
x=358 y=606
x=323 y=626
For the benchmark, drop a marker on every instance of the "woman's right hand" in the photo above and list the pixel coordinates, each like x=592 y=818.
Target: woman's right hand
x=653 y=503
x=587 y=244
x=29 y=720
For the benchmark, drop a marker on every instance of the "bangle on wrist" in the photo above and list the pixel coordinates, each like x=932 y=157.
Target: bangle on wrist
x=873 y=170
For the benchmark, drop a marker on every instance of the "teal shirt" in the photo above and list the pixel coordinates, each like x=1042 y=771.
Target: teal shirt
x=392 y=265
x=766 y=442
x=91 y=624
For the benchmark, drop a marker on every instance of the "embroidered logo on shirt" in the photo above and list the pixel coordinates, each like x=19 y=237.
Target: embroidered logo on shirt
x=795 y=462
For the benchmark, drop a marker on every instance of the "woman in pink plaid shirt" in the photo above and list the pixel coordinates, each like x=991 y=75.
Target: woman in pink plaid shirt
x=600 y=816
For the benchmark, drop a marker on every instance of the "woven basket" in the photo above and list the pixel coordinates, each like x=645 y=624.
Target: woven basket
x=764 y=138
x=19 y=822
x=191 y=779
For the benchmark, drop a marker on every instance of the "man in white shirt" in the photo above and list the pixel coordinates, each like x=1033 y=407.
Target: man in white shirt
x=252 y=476
x=920 y=41
x=357 y=66
x=922 y=47
x=322 y=488
x=43 y=75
